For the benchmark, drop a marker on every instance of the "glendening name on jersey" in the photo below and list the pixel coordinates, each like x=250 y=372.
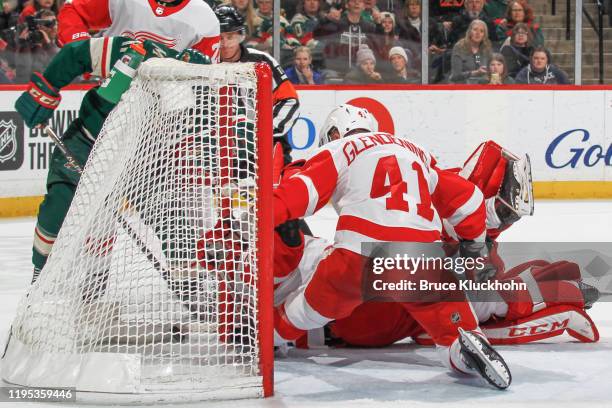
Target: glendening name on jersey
x=354 y=147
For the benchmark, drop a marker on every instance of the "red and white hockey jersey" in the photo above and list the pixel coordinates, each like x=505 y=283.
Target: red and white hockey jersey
x=384 y=189
x=191 y=24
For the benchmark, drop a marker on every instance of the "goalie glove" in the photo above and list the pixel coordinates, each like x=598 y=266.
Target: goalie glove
x=37 y=103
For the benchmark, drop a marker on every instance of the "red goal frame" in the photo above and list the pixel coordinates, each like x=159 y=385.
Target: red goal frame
x=265 y=228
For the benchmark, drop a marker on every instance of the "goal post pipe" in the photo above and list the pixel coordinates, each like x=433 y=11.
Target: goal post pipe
x=265 y=230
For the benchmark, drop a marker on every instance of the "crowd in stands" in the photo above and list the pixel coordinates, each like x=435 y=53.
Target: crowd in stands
x=28 y=31
x=344 y=41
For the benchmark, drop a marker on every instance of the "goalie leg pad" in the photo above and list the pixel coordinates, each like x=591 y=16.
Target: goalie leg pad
x=548 y=323
x=548 y=284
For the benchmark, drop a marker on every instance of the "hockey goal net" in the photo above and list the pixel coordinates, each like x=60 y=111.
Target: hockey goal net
x=159 y=282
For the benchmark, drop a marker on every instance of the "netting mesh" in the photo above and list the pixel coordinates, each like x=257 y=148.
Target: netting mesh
x=156 y=261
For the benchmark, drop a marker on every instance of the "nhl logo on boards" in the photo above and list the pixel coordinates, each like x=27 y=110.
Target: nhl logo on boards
x=11 y=141
x=8 y=140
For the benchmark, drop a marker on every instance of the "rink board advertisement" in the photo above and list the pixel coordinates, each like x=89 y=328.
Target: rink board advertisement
x=565 y=132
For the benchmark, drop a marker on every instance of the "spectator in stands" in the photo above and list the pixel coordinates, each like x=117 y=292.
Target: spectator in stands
x=402 y=73
x=343 y=37
x=351 y=17
x=386 y=36
x=519 y=12
x=541 y=71
x=37 y=47
x=306 y=21
x=264 y=28
x=496 y=9
x=8 y=15
x=246 y=10
x=333 y=9
x=371 y=11
x=517 y=49
x=365 y=70
x=302 y=71
x=473 y=10
x=409 y=26
x=497 y=74
x=36 y=6
x=471 y=54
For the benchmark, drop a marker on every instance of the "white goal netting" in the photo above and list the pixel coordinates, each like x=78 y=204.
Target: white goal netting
x=152 y=284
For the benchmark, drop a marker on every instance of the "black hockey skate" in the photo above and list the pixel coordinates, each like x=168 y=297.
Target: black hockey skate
x=515 y=197
x=589 y=293
x=481 y=357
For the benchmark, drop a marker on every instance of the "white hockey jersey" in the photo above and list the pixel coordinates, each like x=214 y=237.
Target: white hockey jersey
x=191 y=24
x=384 y=189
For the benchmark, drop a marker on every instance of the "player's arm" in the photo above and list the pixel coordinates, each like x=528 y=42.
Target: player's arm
x=305 y=192
x=95 y=55
x=461 y=204
x=77 y=17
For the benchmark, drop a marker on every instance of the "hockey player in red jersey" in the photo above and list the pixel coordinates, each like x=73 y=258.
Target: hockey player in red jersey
x=176 y=24
x=554 y=302
x=384 y=189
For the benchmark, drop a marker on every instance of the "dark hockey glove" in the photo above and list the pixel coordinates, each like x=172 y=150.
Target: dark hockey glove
x=486 y=268
x=194 y=57
x=289 y=233
x=157 y=50
x=37 y=103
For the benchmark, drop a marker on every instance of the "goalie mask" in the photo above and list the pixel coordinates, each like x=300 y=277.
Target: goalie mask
x=344 y=119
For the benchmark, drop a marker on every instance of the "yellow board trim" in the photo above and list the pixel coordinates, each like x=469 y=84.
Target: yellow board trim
x=28 y=206
x=572 y=189
x=19 y=206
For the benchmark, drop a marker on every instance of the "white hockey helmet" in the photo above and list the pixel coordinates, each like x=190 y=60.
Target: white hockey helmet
x=346 y=118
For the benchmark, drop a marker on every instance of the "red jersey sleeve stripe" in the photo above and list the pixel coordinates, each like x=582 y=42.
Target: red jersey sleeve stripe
x=473 y=226
x=313 y=194
x=468 y=208
x=385 y=233
x=321 y=169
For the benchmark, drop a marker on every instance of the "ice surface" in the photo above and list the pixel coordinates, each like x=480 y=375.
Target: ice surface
x=555 y=374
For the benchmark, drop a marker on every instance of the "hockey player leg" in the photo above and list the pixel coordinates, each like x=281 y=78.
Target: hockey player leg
x=453 y=327
x=333 y=292
x=51 y=214
x=479 y=356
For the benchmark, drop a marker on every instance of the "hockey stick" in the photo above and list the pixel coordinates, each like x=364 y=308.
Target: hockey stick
x=142 y=246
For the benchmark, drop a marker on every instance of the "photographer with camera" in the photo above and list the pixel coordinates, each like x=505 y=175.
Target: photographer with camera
x=35 y=45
